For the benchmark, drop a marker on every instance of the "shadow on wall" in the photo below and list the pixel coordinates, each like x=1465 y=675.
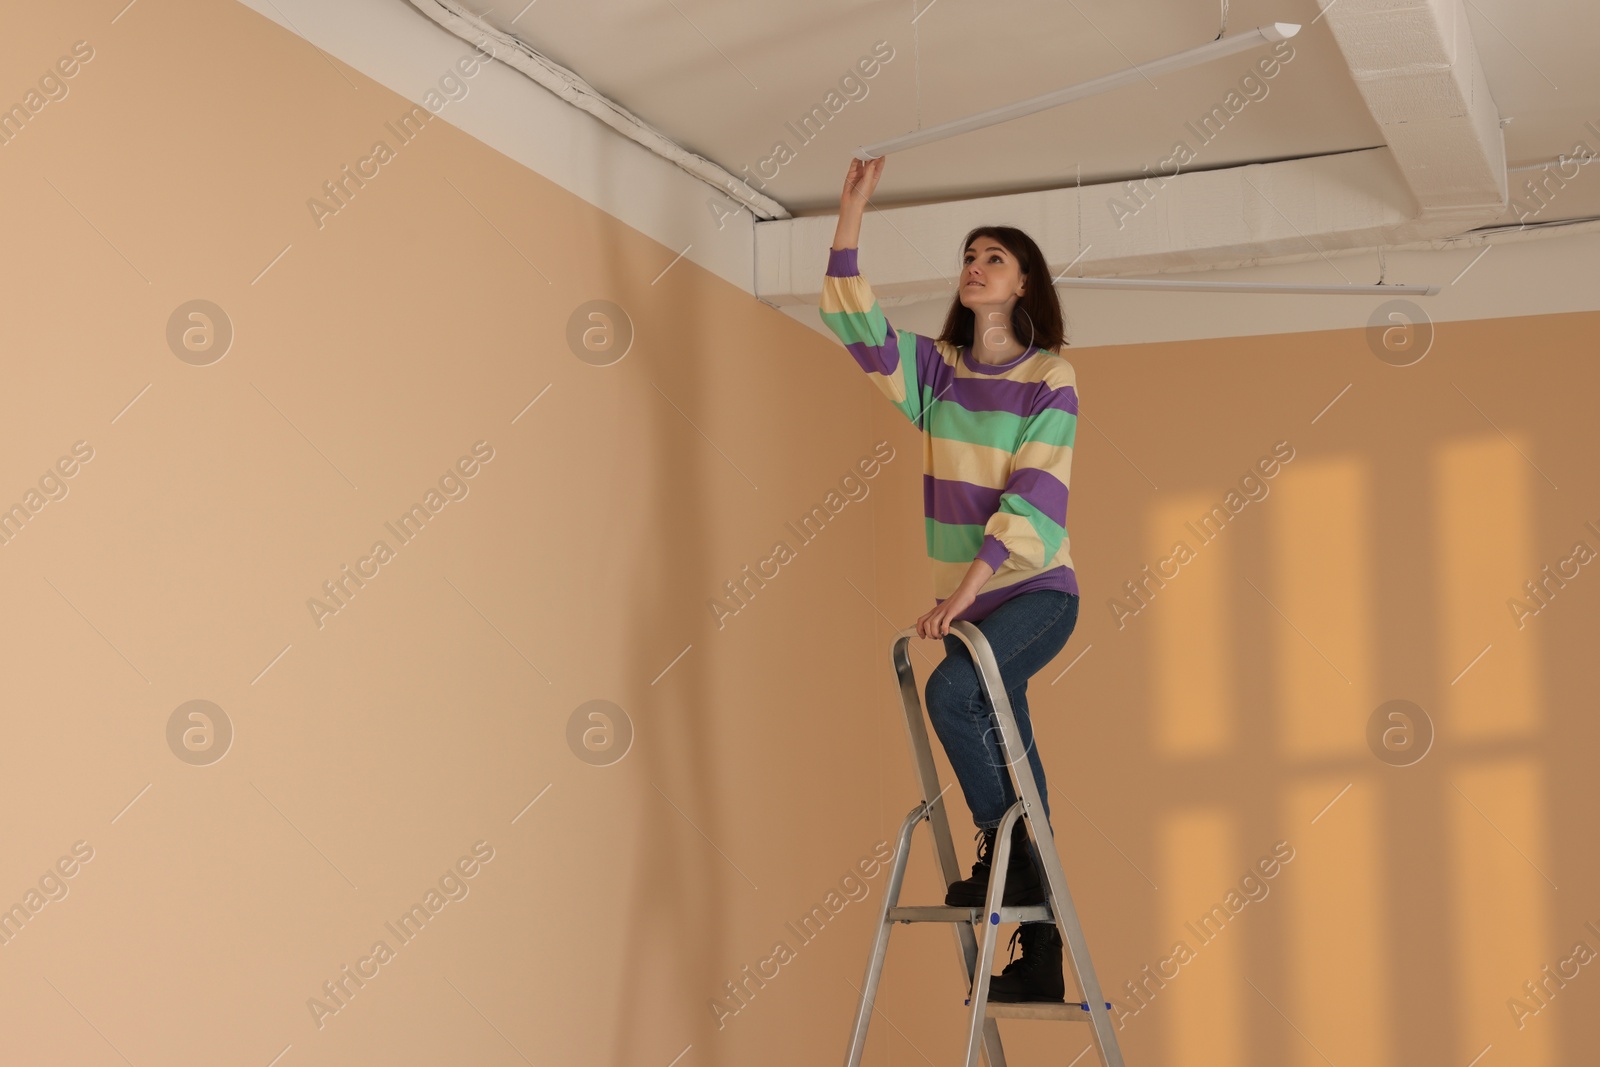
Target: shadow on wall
x=1324 y=758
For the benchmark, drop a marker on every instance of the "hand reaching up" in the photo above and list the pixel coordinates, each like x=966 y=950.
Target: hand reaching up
x=859 y=184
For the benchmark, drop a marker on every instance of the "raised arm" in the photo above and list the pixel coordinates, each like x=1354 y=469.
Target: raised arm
x=903 y=365
x=859 y=184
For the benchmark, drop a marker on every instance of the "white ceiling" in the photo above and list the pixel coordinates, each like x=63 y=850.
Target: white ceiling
x=722 y=78
x=1346 y=215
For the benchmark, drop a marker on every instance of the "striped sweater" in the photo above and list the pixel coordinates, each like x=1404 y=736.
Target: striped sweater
x=997 y=444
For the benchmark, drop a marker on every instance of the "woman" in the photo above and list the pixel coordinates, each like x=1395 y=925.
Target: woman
x=998 y=411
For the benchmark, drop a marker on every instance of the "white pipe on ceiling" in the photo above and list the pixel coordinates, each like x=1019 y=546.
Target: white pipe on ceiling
x=574 y=90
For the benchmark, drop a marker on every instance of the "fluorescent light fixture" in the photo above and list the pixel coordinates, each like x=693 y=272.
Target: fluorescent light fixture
x=1562 y=160
x=1249 y=287
x=1227 y=46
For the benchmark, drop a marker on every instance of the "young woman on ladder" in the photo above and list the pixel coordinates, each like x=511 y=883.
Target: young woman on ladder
x=998 y=409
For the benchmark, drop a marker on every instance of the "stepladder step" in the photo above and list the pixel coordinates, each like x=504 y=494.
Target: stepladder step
x=1060 y=1011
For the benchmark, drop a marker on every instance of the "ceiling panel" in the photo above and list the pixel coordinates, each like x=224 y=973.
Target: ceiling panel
x=731 y=80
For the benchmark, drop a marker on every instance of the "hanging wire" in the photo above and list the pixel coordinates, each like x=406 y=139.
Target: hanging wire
x=916 y=58
x=1224 y=28
x=1080 y=220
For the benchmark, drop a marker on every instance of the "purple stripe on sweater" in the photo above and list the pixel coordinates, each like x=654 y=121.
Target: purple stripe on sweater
x=993 y=551
x=1065 y=398
x=965 y=504
x=1062 y=578
x=1041 y=489
x=932 y=371
x=992 y=394
x=842 y=262
x=958 y=503
x=884 y=358
x=1002 y=394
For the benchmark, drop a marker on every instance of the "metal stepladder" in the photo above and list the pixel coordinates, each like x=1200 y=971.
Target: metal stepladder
x=978 y=958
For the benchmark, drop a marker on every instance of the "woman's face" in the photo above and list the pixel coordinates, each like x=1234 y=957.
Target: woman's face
x=991 y=277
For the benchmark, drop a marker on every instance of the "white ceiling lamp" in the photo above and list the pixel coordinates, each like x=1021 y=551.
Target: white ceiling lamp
x=1379 y=289
x=1563 y=160
x=1227 y=46
x=1270 y=33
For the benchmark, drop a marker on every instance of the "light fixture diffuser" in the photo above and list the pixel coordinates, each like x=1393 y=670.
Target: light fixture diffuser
x=1249 y=287
x=1226 y=46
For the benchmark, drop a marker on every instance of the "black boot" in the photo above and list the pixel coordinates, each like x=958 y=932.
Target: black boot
x=1036 y=974
x=1023 y=885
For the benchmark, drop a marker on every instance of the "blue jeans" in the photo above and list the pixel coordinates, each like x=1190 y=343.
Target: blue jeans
x=1025 y=633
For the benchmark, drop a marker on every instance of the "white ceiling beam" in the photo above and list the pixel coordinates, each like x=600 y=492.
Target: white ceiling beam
x=1415 y=64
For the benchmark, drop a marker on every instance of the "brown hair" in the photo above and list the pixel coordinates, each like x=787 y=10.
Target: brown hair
x=1036 y=318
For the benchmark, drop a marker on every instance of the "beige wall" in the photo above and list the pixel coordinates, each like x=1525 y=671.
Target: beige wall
x=374 y=751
